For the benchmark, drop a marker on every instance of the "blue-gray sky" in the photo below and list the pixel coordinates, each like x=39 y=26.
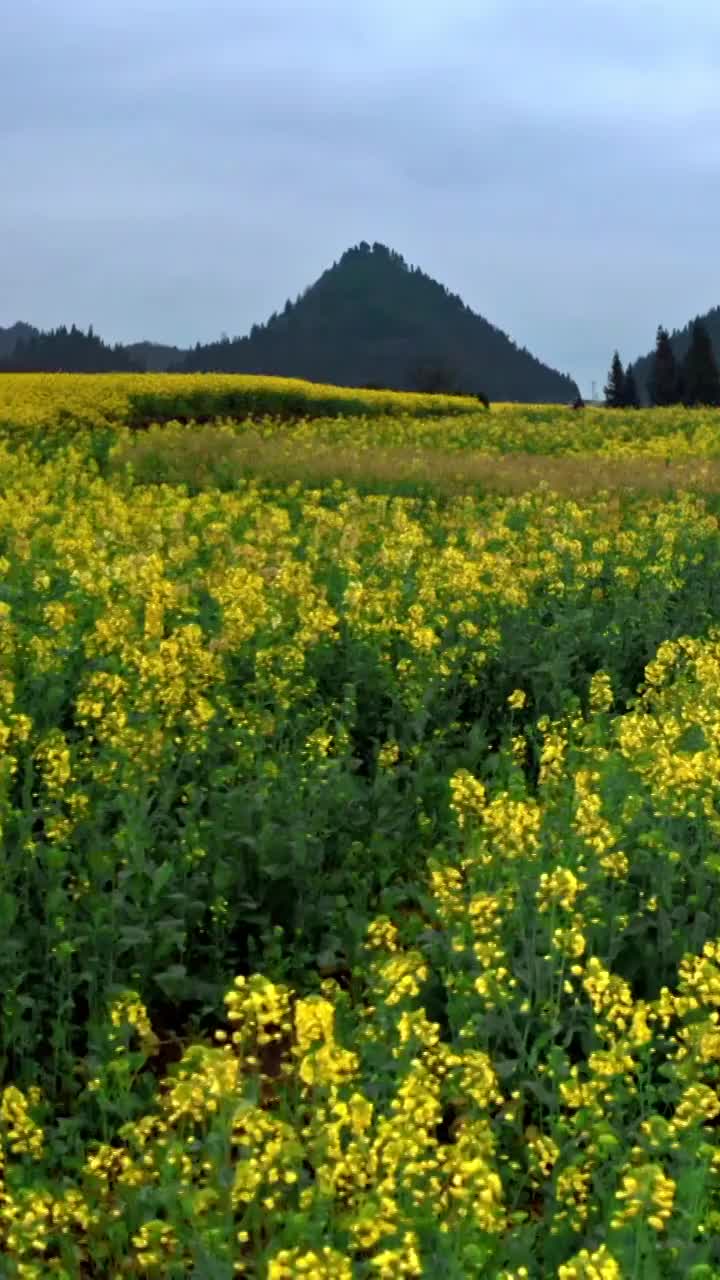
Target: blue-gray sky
x=175 y=168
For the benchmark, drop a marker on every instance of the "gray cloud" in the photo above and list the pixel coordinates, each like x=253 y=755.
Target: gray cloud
x=177 y=168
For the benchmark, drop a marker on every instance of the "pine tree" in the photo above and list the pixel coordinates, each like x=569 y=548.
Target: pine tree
x=700 y=377
x=631 y=398
x=664 y=382
x=615 y=389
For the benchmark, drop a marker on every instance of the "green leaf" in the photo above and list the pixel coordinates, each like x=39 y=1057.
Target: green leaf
x=172 y=979
x=162 y=875
x=8 y=910
x=132 y=936
x=692 y=740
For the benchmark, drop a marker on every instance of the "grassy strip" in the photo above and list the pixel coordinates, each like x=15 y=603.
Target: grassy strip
x=216 y=457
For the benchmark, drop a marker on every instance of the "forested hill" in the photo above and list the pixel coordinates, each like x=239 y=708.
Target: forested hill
x=370 y=320
x=155 y=356
x=373 y=320
x=68 y=351
x=9 y=338
x=680 y=342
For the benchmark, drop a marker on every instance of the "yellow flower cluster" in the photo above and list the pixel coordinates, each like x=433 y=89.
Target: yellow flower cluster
x=322 y=1264
x=21 y=1133
x=646 y=1192
x=599 y=1265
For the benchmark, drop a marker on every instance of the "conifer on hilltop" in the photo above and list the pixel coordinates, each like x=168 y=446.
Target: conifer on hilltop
x=631 y=397
x=700 y=380
x=615 y=387
x=664 y=381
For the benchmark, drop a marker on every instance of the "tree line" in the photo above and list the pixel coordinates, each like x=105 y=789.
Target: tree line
x=68 y=351
x=692 y=381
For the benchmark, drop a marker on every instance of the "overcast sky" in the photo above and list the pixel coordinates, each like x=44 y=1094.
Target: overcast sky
x=171 y=169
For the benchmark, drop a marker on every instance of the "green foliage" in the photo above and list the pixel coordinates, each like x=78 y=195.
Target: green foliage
x=283 y=402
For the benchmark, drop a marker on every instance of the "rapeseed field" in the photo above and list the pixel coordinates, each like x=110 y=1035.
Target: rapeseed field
x=359 y=909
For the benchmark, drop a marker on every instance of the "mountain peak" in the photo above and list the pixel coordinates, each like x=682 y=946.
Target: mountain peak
x=371 y=318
